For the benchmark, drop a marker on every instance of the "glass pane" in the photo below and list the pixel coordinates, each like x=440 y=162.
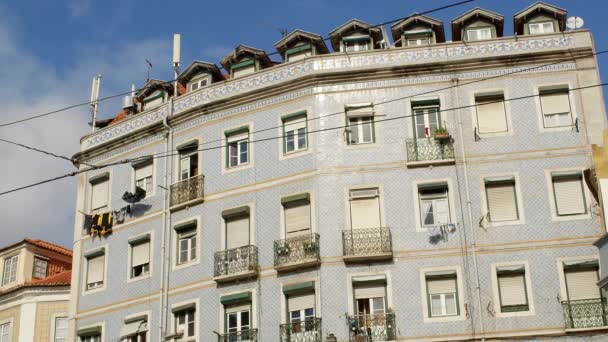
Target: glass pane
x=378 y=305
x=289 y=141
x=309 y=313
x=232 y=322
x=301 y=138
x=193 y=248
x=295 y=316
x=421 y=131
x=233 y=154
x=367 y=130
x=183 y=250
x=436 y=305
x=245 y=319
x=450 y=304
x=185 y=168
x=433 y=120
x=354 y=130
x=191 y=328
x=427 y=213
x=243 y=146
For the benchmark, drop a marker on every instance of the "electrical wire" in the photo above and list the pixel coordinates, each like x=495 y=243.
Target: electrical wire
x=36 y=149
x=37 y=116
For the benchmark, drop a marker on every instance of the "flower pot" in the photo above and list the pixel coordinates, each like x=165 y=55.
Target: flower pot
x=442 y=136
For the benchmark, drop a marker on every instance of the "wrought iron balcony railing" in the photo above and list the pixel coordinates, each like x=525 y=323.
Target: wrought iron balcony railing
x=250 y=335
x=296 y=250
x=237 y=260
x=585 y=313
x=305 y=331
x=367 y=242
x=187 y=190
x=372 y=328
x=429 y=149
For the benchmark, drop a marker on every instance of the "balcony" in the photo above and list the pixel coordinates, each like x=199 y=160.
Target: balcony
x=371 y=328
x=306 y=331
x=296 y=252
x=187 y=192
x=250 y=335
x=236 y=263
x=585 y=313
x=367 y=244
x=429 y=151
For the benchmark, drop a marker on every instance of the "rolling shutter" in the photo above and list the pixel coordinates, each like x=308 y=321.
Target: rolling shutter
x=569 y=196
x=99 y=193
x=295 y=124
x=502 y=203
x=581 y=284
x=237 y=231
x=301 y=302
x=141 y=253
x=365 y=209
x=133 y=328
x=297 y=218
x=439 y=285
x=95 y=269
x=360 y=110
x=512 y=289
x=143 y=171
x=491 y=116
x=369 y=290
x=555 y=102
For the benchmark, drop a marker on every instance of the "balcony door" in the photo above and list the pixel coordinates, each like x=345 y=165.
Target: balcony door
x=426 y=121
x=297 y=218
x=365 y=209
x=370 y=300
x=188 y=162
x=238 y=323
x=301 y=310
x=237 y=231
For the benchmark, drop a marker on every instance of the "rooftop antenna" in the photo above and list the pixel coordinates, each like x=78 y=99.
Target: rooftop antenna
x=149 y=68
x=94 y=100
x=575 y=23
x=177 y=40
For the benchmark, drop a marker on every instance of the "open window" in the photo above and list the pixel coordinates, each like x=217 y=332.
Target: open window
x=238 y=325
x=434 y=204
x=188 y=160
x=360 y=122
x=143 y=174
x=301 y=311
x=371 y=313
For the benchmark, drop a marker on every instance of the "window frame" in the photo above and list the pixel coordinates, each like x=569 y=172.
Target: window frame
x=53 y=329
x=489 y=93
x=244 y=64
x=529 y=24
x=186 y=224
x=133 y=241
x=518 y=197
x=236 y=131
x=9 y=323
x=226 y=215
x=38 y=258
x=197 y=80
x=14 y=266
x=284 y=123
x=563 y=294
x=528 y=288
x=477 y=29
x=450 y=198
x=102 y=177
x=253 y=319
x=352 y=308
x=103 y=250
x=356 y=39
x=134 y=180
x=587 y=197
x=285 y=200
x=461 y=312
x=360 y=125
x=95 y=329
x=174 y=319
x=555 y=87
x=184 y=151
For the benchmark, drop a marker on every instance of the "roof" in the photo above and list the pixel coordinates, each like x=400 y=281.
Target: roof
x=335 y=36
x=152 y=85
x=477 y=12
x=198 y=67
x=298 y=36
x=520 y=17
x=62 y=279
x=41 y=244
x=415 y=18
x=244 y=50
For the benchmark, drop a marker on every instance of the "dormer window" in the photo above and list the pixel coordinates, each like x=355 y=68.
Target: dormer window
x=298 y=53
x=417 y=38
x=356 y=43
x=199 y=82
x=243 y=68
x=479 y=33
x=154 y=100
x=541 y=27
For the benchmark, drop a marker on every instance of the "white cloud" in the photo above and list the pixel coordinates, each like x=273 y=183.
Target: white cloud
x=29 y=85
x=78 y=8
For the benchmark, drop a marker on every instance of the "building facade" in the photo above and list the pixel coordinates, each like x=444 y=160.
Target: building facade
x=416 y=190
x=34 y=292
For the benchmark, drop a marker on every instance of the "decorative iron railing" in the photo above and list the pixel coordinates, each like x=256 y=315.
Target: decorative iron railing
x=585 y=313
x=371 y=328
x=250 y=335
x=368 y=241
x=236 y=260
x=305 y=331
x=296 y=249
x=187 y=190
x=427 y=149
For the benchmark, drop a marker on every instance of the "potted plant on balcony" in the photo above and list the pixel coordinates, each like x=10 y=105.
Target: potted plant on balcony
x=441 y=134
x=309 y=246
x=283 y=249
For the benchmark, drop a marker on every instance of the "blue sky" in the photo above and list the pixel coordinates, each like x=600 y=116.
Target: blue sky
x=51 y=49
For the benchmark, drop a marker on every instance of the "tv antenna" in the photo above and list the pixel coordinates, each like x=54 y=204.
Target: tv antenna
x=149 y=68
x=575 y=23
x=94 y=100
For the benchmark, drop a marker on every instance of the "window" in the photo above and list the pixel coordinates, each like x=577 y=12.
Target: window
x=199 y=83
x=365 y=208
x=238 y=322
x=135 y=330
x=569 y=194
x=154 y=100
x=100 y=193
x=301 y=312
x=185 y=324
x=295 y=133
x=10 y=270
x=243 y=68
x=298 y=53
x=434 y=204
x=61 y=329
x=297 y=215
x=442 y=292
x=360 y=122
x=491 y=113
x=95 y=270
x=188 y=161
x=479 y=33
x=426 y=119
x=40 y=267
x=5 y=332
x=370 y=305
x=356 y=43
x=140 y=257
x=186 y=243
x=512 y=289
x=501 y=199
x=555 y=106
x=143 y=176
x=237 y=227
x=94 y=337
x=417 y=40
x=581 y=279
x=237 y=151
x=539 y=28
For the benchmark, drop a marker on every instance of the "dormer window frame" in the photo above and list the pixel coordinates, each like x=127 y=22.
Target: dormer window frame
x=198 y=82
x=149 y=99
x=468 y=29
x=541 y=23
x=411 y=35
x=299 y=50
x=243 y=64
x=356 y=38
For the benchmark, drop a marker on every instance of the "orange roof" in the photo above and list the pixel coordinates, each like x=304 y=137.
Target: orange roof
x=50 y=246
x=58 y=279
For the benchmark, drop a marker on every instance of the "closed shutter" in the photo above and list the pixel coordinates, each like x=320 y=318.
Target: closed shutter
x=141 y=253
x=95 y=269
x=143 y=171
x=360 y=110
x=491 y=117
x=99 y=194
x=581 y=284
x=512 y=289
x=295 y=124
x=301 y=302
x=373 y=290
x=365 y=211
x=297 y=218
x=441 y=285
x=502 y=203
x=569 y=196
x=238 y=308
x=237 y=232
x=555 y=102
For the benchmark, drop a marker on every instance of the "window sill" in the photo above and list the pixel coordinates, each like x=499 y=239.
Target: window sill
x=177 y=267
x=443 y=319
x=295 y=154
x=575 y=330
x=566 y=218
x=424 y=163
x=238 y=168
x=93 y=291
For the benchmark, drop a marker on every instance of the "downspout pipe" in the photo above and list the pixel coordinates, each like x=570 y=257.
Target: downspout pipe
x=166 y=233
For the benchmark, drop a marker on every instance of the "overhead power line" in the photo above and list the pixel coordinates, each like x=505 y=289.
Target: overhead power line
x=87 y=103
x=162 y=155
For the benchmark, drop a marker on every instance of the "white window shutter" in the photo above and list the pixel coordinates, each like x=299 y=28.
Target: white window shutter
x=295 y=124
x=99 y=194
x=569 y=196
x=441 y=285
x=491 y=116
x=95 y=269
x=555 y=102
x=143 y=171
x=140 y=253
x=301 y=302
x=365 y=213
x=502 y=203
x=512 y=289
x=297 y=218
x=363 y=291
x=237 y=232
x=582 y=284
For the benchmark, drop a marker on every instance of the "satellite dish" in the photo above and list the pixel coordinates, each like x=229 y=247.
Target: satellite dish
x=575 y=23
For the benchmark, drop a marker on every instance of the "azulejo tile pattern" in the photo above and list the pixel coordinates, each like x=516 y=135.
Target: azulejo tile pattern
x=333 y=62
